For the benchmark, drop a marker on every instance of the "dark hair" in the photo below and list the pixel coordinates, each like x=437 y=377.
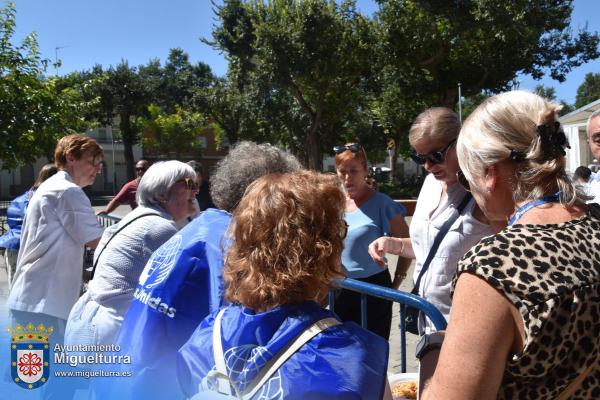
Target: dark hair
x=583 y=173
x=46 y=172
x=196 y=166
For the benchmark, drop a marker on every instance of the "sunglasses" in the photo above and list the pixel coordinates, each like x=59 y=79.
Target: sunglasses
x=189 y=183
x=437 y=157
x=141 y=169
x=462 y=180
x=354 y=147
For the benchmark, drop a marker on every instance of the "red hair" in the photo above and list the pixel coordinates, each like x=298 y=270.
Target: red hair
x=288 y=236
x=344 y=156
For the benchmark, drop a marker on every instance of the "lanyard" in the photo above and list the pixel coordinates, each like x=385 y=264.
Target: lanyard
x=533 y=203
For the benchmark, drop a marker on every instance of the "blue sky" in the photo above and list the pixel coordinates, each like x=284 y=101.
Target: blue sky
x=87 y=32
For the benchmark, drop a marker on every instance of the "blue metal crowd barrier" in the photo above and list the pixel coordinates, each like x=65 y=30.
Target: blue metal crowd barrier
x=396 y=296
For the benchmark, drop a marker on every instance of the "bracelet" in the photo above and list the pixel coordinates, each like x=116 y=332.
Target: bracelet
x=401 y=276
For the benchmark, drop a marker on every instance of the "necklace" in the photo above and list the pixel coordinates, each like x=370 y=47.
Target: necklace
x=531 y=204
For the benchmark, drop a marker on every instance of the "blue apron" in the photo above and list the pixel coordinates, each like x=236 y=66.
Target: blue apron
x=181 y=284
x=343 y=362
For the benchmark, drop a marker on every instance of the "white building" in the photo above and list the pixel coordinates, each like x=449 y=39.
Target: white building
x=574 y=124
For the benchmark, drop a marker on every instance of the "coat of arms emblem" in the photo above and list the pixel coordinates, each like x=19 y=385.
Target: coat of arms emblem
x=30 y=355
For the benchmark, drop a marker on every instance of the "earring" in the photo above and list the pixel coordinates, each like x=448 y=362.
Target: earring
x=488 y=189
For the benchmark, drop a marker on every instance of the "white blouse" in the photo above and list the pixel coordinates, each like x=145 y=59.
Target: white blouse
x=430 y=214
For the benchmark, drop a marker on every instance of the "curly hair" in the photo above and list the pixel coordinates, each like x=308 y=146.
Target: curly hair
x=246 y=162
x=288 y=237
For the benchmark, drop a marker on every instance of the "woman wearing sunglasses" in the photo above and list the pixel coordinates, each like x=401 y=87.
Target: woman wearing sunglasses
x=433 y=137
x=369 y=214
x=166 y=193
x=524 y=323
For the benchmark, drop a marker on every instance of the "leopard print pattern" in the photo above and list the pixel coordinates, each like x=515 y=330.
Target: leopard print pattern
x=551 y=273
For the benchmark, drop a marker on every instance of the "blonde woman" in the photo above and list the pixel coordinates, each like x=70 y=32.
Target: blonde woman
x=524 y=320
x=433 y=137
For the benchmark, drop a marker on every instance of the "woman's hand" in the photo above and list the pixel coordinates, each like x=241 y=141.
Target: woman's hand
x=379 y=247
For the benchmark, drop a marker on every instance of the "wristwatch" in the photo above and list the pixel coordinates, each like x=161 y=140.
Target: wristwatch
x=431 y=341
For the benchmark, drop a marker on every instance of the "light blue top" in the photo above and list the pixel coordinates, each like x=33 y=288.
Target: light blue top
x=366 y=224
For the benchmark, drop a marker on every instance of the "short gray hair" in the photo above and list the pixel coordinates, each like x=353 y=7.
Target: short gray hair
x=158 y=180
x=246 y=162
x=506 y=122
x=589 y=121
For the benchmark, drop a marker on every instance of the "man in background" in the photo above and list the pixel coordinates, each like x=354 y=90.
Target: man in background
x=203 y=194
x=593 y=133
x=127 y=193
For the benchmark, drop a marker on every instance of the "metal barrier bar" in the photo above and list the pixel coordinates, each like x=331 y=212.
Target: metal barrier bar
x=397 y=296
x=107 y=220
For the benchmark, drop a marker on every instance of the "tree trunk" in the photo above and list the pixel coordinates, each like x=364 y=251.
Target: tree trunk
x=128 y=141
x=313 y=149
x=394 y=159
x=450 y=98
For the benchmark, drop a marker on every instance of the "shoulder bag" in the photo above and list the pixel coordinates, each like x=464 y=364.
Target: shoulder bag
x=411 y=316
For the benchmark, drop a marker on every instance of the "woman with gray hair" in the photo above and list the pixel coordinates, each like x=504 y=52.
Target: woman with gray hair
x=524 y=322
x=166 y=194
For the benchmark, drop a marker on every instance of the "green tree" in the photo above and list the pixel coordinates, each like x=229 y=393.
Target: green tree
x=183 y=84
x=314 y=51
x=173 y=134
x=588 y=91
x=483 y=44
x=123 y=94
x=34 y=111
x=547 y=92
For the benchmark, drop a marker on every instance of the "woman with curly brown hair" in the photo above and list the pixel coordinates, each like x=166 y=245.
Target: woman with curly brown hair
x=287 y=240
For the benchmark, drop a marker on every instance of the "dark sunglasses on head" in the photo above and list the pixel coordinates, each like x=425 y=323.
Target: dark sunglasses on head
x=462 y=180
x=189 y=182
x=436 y=157
x=354 y=147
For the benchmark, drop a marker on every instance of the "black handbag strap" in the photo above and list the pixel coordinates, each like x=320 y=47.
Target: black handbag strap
x=115 y=234
x=438 y=239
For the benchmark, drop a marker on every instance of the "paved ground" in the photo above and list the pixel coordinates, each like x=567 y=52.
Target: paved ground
x=395 y=353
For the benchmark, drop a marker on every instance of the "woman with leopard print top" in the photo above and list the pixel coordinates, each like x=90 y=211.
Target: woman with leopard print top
x=525 y=321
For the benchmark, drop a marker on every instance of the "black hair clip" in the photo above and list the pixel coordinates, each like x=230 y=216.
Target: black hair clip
x=517 y=156
x=553 y=141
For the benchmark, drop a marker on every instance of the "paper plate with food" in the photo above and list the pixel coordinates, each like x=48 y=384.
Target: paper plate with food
x=404 y=386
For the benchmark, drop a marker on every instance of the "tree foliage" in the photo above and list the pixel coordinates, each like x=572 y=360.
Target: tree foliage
x=588 y=91
x=173 y=134
x=482 y=44
x=547 y=92
x=34 y=111
x=315 y=52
